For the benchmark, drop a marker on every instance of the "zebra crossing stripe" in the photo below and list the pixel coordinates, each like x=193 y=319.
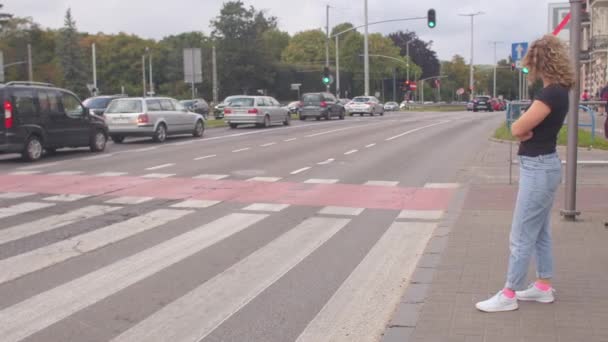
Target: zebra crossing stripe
x=196 y=314
x=366 y=300
x=53 y=222
x=22 y=264
x=23 y=208
x=36 y=313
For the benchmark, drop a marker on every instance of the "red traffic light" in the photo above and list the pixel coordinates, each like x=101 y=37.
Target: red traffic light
x=512 y=66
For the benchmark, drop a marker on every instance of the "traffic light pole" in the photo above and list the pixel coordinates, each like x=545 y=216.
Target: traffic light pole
x=337 y=68
x=366 y=52
x=327 y=41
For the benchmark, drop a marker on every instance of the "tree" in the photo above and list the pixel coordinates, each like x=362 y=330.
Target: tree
x=420 y=51
x=4 y=17
x=307 y=47
x=70 y=57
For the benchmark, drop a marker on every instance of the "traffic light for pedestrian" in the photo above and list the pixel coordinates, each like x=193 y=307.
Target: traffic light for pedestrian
x=512 y=66
x=326 y=77
x=431 y=18
x=525 y=70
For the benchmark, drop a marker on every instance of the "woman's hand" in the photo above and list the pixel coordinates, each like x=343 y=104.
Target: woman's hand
x=525 y=136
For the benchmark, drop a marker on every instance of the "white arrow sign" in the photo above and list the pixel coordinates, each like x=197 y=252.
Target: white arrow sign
x=519 y=50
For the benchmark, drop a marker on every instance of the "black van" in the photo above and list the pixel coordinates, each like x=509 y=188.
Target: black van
x=39 y=116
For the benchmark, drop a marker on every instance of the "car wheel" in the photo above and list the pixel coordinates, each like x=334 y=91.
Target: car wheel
x=160 y=135
x=32 y=150
x=318 y=118
x=266 y=121
x=117 y=138
x=199 y=129
x=287 y=121
x=233 y=125
x=302 y=117
x=382 y=113
x=342 y=115
x=98 y=141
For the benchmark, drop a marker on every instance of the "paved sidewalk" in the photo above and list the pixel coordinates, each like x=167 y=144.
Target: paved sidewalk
x=466 y=261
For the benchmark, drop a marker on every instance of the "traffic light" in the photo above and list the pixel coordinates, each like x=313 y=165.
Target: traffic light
x=407 y=86
x=512 y=66
x=326 y=77
x=525 y=70
x=431 y=18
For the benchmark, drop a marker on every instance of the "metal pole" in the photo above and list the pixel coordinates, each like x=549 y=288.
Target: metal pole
x=143 y=72
x=570 y=212
x=471 y=77
x=151 y=82
x=94 y=69
x=337 y=68
x=366 y=52
x=30 y=70
x=193 y=73
x=394 y=84
x=215 y=88
x=495 y=61
x=327 y=41
x=422 y=91
x=519 y=84
x=407 y=52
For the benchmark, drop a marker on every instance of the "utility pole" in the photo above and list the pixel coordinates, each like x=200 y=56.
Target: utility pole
x=407 y=53
x=327 y=41
x=143 y=72
x=337 y=68
x=495 y=66
x=215 y=95
x=30 y=70
x=366 y=52
x=570 y=212
x=94 y=68
x=394 y=84
x=471 y=76
x=151 y=81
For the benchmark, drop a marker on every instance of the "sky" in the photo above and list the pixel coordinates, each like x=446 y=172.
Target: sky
x=505 y=21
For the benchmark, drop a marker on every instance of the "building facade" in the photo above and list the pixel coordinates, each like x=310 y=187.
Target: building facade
x=594 y=56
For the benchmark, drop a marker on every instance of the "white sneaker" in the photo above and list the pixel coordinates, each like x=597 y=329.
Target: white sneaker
x=498 y=303
x=535 y=294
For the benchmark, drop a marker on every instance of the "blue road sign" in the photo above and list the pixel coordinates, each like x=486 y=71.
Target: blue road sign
x=518 y=51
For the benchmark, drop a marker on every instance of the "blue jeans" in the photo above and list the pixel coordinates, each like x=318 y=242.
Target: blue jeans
x=539 y=179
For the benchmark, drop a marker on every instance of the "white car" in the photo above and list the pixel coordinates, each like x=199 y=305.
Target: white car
x=365 y=105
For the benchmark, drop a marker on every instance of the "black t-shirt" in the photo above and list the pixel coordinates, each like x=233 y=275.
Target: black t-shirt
x=544 y=140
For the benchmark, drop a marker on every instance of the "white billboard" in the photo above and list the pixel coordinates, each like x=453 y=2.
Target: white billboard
x=557 y=13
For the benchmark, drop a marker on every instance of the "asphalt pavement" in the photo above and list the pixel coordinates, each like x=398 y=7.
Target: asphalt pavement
x=308 y=232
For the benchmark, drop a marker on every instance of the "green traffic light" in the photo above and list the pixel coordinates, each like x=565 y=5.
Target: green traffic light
x=524 y=70
x=431 y=24
x=325 y=80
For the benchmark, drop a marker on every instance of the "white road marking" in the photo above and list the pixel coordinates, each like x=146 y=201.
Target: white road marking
x=15 y=195
x=300 y=170
x=37 y=259
x=187 y=142
x=212 y=177
x=101 y=156
x=241 y=150
x=321 y=181
x=416 y=130
x=24 y=173
x=66 y=173
x=66 y=198
x=111 y=174
x=381 y=183
x=37 y=166
x=206 y=157
x=129 y=200
x=291 y=139
x=160 y=166
x=145 y=149
x=196 y=314
x=268 y=144
x=272 y=207
x=346 y=211
x=264 y=179
x=328 y=161
x=331 y=131
x=36 y=313
x=421 y=214
x=159 y=175
x=367 y=299
x=370 y=145
x=195 y=204
x=442 y=185
x=53 y=222
x=23 y=208
x=350 y=152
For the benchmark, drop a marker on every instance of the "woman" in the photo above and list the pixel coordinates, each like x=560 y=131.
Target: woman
x=540 y=175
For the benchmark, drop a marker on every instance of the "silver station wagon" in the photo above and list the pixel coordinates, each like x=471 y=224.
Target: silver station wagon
x=155 y=117
x=258 y=110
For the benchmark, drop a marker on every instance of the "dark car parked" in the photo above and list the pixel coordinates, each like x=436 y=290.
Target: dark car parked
x=482 y=103
x=39 y=116
x=98 y=104
x=321 y=105
x=198 y=106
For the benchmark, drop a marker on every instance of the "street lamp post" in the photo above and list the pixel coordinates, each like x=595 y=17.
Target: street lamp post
x=471 y=77
x=366 y=52
x=495 y=66
x=407 y=52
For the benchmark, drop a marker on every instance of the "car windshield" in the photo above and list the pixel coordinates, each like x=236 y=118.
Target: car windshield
x=97 y=102
x=391 y=103
x=187 y=103
x=361 y=99
x=311 y=98
x=240 y=102
x=124 y=106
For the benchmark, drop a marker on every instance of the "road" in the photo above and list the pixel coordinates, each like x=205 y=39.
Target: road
x=305 y=233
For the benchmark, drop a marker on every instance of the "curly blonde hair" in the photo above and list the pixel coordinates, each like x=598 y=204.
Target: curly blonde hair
x=548 y=58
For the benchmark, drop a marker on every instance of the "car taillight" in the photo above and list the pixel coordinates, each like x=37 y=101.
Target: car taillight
x=8 y=114
x=227 y=111
x=253 y=111
x=143 y=118
x=323 y=104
